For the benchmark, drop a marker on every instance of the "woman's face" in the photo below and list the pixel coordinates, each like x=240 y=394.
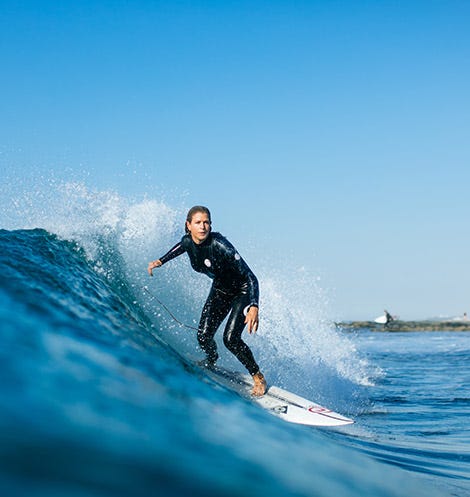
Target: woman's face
x=199 y=227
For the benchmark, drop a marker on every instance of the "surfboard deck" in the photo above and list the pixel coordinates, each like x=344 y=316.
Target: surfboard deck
x=279 y=402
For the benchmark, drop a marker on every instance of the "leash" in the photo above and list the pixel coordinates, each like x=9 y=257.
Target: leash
x=168 y=310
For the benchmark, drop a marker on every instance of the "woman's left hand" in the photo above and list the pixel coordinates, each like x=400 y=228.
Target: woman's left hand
x=251 y=319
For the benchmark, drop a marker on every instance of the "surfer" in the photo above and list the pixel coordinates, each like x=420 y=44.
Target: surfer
x=234 y=290
x=388 y=317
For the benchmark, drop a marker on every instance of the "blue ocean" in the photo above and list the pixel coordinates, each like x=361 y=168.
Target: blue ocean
x=99 y=395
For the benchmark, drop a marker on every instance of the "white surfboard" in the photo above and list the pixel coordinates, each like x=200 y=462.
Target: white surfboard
x=381 y=319
x=279 y=402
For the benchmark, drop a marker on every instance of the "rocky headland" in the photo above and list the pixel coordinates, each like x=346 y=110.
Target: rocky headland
x=400 y=326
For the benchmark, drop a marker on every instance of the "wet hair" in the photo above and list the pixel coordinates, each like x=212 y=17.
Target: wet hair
x=195 y=210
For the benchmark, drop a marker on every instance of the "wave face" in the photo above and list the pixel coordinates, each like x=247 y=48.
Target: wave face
x=99 y=394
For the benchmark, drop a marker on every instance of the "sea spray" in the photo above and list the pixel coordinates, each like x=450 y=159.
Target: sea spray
x=301 y=345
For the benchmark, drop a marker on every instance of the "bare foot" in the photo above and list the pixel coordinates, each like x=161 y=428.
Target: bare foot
x=259 y=386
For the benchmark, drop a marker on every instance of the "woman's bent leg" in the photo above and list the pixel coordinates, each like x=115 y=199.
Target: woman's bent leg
x=213 y=313
x=233 y=335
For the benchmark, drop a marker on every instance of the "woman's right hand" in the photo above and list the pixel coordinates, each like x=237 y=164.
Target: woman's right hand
x=153 y=265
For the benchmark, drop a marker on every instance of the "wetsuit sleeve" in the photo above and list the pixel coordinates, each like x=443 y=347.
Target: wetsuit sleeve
x=240 y=267
x=253 y=286
x=177 y=250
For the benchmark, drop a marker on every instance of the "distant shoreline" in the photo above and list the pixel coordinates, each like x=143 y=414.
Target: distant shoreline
x=400 y=326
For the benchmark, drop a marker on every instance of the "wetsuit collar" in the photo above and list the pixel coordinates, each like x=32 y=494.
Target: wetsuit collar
x=207 y=241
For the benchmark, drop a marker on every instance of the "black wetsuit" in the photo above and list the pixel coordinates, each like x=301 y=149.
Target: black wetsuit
x=234 y=288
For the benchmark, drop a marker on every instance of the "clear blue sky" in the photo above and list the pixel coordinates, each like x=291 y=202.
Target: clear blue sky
x=332 y=134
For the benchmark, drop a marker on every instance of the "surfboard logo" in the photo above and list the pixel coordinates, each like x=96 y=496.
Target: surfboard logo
x=319 y=409
x=207 y=263
x=280 y=409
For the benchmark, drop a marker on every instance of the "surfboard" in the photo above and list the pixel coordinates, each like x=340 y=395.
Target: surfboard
x=381 y=319
x=279 y=402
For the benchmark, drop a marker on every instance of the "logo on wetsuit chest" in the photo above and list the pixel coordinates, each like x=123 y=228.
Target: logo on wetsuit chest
x=208 y=263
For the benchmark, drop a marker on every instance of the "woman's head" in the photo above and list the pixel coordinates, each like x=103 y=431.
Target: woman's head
x=198 y=223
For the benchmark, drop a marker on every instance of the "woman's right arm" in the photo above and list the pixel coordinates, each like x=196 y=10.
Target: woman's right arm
x=153 y=265
x=177 y=250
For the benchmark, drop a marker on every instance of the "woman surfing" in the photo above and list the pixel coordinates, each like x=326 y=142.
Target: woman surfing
x=234 y=291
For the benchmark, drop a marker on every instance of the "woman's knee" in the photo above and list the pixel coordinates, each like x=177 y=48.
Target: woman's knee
x=232 y=341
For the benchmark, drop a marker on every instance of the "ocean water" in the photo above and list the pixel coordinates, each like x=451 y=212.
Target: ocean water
x=99 y=395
